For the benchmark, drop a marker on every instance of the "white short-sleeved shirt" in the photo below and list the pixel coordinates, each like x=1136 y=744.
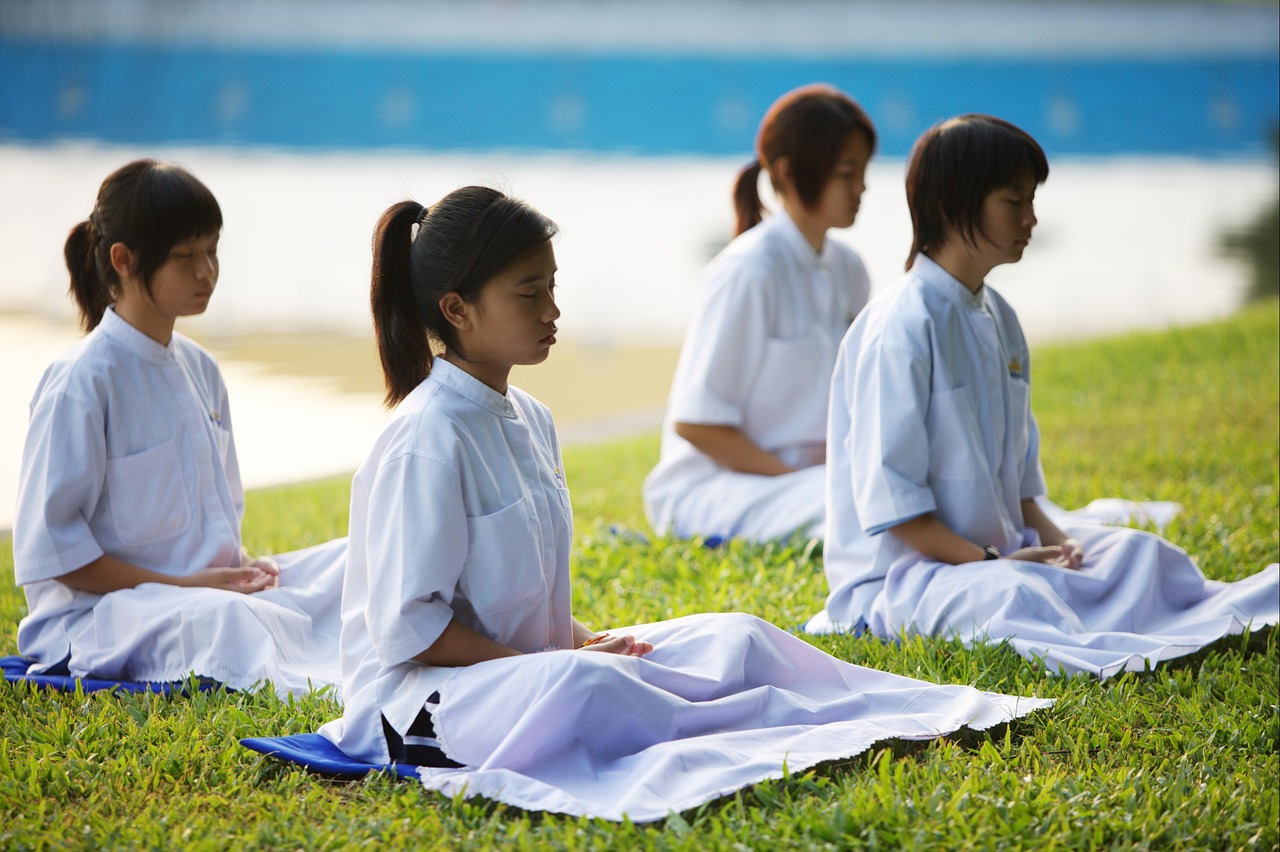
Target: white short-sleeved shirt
x=930 y=412
x=129 y=452
x=459 y=512
x=759 y=354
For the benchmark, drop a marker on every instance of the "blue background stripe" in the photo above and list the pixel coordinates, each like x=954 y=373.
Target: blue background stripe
x=627 y=103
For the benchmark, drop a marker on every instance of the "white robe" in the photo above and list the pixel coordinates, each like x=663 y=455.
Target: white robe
x=461 y=512
x=130 y=453
x=758 y=355
x=931 y=412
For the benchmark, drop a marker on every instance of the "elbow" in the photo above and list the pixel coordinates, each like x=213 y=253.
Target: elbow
x=687 y=431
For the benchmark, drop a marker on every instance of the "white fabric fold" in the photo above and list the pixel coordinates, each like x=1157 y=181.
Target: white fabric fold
x=1138 y=601
x=286 y=637
x=723 y=701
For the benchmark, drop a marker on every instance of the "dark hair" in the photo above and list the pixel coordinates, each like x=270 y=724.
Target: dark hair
x=810 y=127
x=463 y=241
x=954 y=166
x=148 y=206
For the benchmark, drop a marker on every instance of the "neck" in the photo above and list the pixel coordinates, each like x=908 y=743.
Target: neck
x=814 y=233
x=145 y=318
x=955 y=257
x=492 y=375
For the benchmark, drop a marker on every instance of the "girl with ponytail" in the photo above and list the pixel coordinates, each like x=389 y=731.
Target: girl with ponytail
x=460 y=651
x=127 y=531
x=743 y=446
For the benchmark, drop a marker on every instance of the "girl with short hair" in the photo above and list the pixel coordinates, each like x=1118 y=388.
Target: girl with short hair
x=934 y=475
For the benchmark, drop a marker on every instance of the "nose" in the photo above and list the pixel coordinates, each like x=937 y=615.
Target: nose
x=552 y=312
x=1031 y=220
x=208 y=269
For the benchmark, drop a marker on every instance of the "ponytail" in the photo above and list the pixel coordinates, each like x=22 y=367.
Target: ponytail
x=92 y=293
x=403 y=346
x=746 y=198
x=462 y=242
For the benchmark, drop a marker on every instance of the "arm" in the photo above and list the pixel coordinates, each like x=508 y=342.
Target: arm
x=729 y=447
x=937 y=541
x=459 y=645
x=109 y=574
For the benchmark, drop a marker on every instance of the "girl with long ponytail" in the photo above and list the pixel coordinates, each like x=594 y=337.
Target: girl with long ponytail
x=743 y=443
x=461 y=653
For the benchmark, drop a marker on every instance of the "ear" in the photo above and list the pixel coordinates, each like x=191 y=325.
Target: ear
x=122 y=260
x=780 y=174
x=456 y=311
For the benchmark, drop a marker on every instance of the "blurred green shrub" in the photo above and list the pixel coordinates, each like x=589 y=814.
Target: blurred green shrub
x=1258 y=244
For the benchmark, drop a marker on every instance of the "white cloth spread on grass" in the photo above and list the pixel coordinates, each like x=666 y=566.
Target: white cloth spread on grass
x=931 y=412
x=758 y=355
x=130 y=453
x=723 y=701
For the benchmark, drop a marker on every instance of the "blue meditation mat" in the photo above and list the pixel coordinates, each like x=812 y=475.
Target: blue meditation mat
x=316 y=753
x=58 y=677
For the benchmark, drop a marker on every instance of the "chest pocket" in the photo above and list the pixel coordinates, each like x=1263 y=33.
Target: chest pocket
x=503 y=567
x=1019 y=420
x=222 y=438
x=788 y=404
x=148 y=495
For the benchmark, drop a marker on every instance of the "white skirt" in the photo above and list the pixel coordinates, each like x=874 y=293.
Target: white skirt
x=722 y=702
x=1137 y=601
x=757 y=508
x=286 y=637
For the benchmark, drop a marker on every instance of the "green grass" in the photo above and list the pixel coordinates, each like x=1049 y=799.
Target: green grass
x=1185 y=757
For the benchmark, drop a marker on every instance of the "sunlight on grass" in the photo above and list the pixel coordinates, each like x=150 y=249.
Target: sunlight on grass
x=1185 y=756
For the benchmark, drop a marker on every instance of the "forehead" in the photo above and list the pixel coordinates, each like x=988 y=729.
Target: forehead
x=199 y=238
x=1024 y=183
x=536 y=264
x=857 y=148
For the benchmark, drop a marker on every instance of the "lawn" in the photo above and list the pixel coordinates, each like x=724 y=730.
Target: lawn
x=1184 y=757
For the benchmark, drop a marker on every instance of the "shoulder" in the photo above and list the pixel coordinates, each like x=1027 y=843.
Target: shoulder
x=429 y=422
x=85 y=371
x=750 y=262
x=903 y=310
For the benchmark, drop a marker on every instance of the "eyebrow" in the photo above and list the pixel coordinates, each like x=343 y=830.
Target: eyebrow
x=534 y=279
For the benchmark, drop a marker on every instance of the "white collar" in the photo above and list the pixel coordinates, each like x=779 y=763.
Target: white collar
x=943 y=283
x=118 y=330
x=470 y=388
x=791 y=236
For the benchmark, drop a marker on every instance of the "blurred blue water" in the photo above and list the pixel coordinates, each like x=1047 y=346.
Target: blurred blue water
x=637 y=103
